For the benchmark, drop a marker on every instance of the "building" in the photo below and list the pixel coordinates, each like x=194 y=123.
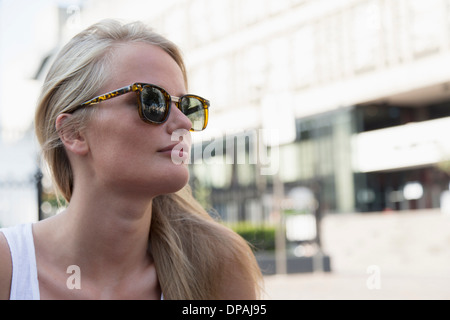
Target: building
x=19 y=161
x=357 y=89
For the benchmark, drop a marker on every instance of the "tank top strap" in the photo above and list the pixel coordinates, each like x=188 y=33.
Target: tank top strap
x=24 y=282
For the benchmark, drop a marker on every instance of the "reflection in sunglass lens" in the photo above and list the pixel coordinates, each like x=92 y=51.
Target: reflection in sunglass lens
x=154 y=107
x=193 y=109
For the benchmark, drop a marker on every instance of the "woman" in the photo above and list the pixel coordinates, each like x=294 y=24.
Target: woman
x=111 y=105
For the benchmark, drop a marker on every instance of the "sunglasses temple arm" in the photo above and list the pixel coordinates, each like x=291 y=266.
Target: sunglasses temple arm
x=108 y=95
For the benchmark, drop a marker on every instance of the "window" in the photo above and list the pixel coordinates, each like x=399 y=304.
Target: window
x=426 y=26
x=303 y=56
x=366 y=35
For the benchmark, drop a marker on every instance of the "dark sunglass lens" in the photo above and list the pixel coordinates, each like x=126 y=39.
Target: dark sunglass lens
x=193 y=109
x=154 y=107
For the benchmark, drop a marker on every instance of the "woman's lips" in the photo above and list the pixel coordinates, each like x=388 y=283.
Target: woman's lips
x=179 y=152
x=168 y=149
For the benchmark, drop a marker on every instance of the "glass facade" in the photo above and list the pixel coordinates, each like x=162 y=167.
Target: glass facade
x=345 y=69
x=320 y=154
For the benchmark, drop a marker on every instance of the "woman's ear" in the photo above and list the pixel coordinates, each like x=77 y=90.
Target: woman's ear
x=71 y=137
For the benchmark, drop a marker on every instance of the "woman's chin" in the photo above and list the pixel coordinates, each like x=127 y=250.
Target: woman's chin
x=176 y=180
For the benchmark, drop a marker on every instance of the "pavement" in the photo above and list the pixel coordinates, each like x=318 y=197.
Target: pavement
x=395 y=256
x=337 y=286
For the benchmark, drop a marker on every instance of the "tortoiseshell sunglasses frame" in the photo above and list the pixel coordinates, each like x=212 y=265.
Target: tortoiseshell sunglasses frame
x=138 y=87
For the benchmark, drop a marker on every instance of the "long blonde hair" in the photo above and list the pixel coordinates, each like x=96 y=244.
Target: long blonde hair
x=190 y=249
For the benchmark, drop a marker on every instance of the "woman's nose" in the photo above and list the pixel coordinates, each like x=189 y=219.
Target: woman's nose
x=177 y=120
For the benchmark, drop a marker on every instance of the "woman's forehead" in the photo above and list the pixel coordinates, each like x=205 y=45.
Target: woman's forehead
x=143 y=62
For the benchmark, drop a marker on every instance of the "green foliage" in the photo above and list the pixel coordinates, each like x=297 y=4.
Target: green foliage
x=294 y=212
x=55 y=200
x=261 y=237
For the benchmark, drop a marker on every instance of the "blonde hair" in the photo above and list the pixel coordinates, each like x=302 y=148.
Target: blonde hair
x=192 y=252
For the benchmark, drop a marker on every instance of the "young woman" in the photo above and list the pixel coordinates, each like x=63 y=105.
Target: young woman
x=111 y=105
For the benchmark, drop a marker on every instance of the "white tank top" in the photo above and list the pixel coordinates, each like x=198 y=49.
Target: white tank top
x=24 y=282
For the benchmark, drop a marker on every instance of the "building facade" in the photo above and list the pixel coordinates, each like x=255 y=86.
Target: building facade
x=357 y=90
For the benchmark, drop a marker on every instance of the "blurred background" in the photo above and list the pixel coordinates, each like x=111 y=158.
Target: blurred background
x=327 y=146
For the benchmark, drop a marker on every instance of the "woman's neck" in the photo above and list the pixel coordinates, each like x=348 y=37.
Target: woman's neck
x=112 y=229
x=106 y=237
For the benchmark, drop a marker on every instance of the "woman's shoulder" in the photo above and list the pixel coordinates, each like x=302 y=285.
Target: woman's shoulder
x=5 y=268
x=242 y=277
x=238 y=283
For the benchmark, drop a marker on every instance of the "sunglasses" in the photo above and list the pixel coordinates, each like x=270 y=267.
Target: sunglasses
x=154 y=104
